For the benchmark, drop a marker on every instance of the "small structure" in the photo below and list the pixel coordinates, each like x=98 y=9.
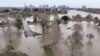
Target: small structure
x=83 y=7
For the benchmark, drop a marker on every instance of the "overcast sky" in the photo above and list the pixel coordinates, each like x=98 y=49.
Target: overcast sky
x=71 y=3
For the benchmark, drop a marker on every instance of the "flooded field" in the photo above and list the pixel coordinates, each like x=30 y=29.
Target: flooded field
x=32 y=45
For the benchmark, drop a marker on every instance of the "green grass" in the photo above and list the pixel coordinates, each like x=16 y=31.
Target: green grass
x=9 y=47
x=10 y=51
x=48 y=50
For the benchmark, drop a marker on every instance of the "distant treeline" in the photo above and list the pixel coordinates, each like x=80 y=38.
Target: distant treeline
x=91 y=10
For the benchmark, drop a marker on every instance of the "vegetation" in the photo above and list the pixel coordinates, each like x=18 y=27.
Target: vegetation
x=48 y=50
x=44 y=20
x=91 y=10
x=51 y=35
x=5 y=10
x=77 y=27
x=18 y=23
x=98 y=22
x=90 y=36
x=88 y=18
x=75 y=43
x=96 y=19
x=10 y=51
x=77 y=18
x=65 y=19
x=35 y=19
x=9 y=47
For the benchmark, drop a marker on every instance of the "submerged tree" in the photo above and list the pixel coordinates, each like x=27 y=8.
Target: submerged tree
x=51 y=36
x=77 y=27
x=74 y=42
x=35 y=19
x=7 y=32
x=18 y=22
x=44 y=21
x=10 y=33
x=77 y=18
x=65 y=19
x=90 y=36
x=96 y=20
x=89 y=43
x=88 y=18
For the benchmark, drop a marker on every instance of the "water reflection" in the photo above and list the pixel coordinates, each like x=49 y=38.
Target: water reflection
x=75 y=42
x=89 y=43
x=89 y=46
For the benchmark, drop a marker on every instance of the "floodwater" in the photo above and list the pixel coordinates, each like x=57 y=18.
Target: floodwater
x=87 y=49
x=32 y=46
x=83 y=14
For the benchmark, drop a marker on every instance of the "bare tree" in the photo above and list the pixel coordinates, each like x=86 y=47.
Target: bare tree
x=77 y=18
x=90 y=36
x=44 y=20
x=9 y=33
x=96 y=20
x=51 y=35
x=77 y=27
x=88 y=18
x=51 y=32
x=74 y=42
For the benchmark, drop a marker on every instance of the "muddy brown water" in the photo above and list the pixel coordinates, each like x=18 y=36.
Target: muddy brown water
x=32 y=46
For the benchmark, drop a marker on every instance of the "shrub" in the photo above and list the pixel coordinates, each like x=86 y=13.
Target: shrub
x=77 y=18
x=96 y=20
x=65 y=19
x=18 y=24
x=9 y=47
x=88 y=18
